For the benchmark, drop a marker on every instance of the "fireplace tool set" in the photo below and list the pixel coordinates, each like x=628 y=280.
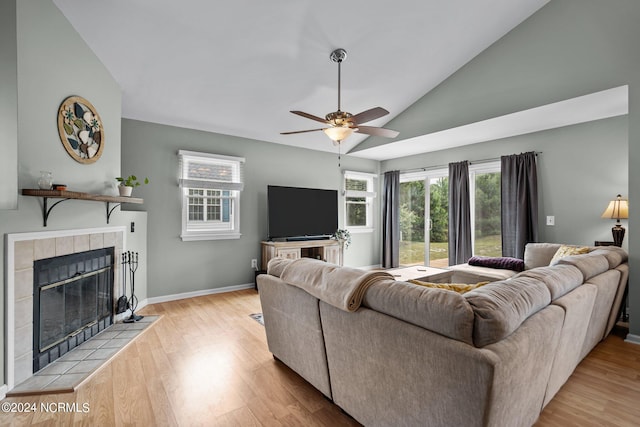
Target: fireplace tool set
x=129 y=267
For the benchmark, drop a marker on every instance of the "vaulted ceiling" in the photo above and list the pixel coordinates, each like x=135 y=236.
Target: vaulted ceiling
x=239 y=67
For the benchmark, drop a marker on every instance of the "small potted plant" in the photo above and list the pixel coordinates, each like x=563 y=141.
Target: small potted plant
x=126 y=184
x=343 y=236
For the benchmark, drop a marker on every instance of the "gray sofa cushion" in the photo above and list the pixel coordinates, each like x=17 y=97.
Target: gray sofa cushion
x=589 y=264
x=613 y=254
x=465 y=273
x=559 y=279
x=294 y=332
x=500 y=308
x=539 y=254
x=444 y=312
x=607 y=284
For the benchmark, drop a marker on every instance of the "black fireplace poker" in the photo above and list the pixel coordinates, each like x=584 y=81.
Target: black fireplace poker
x=130 y=264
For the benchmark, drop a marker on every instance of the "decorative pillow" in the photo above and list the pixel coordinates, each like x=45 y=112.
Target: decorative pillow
x=505 y=263
x=567 y=250
x=460 y=288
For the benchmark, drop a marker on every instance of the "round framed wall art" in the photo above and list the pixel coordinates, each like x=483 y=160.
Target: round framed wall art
x=80 y=129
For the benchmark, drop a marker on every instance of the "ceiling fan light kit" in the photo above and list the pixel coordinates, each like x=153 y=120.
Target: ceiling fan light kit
x=341 y=123
x=338 y=133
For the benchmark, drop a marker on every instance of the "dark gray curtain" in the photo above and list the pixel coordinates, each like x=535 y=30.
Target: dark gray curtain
x=459 y=214
x=391 y=220
x=519 y=191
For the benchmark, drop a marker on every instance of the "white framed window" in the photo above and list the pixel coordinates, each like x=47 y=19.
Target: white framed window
x=210 y=187
x=484 y=190
x=358 y=201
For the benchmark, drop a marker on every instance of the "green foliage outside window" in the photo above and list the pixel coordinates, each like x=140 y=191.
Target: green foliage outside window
x=487 y=204
x=440 y=210
x=412 y=211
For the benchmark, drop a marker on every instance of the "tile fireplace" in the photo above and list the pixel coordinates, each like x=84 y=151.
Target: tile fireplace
x=25 y=252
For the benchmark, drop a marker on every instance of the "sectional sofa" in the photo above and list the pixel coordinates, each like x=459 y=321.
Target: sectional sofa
x=398 y=354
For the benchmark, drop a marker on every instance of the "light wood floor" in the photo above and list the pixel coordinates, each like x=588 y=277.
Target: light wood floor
x=205 y=362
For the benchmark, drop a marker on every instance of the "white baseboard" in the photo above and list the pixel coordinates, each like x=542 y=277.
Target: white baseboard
x=633 y=339
x=174 y=297
x=3 y=391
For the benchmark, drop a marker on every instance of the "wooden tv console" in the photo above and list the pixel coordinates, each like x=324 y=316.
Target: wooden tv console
x=327 y=250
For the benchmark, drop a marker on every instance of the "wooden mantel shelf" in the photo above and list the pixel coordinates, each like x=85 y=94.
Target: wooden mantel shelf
x=76 y=195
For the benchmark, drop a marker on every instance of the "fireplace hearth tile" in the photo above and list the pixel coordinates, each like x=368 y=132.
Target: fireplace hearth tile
x=94 y=343
x=35 y=383
x=102 y=354
x=116 y=343
x=66 y=381
x=133 y=326
x=68 y=372
x=108 y=334
x=129 y=334
x=57 y=368
x=77 y=354
x=86 y=366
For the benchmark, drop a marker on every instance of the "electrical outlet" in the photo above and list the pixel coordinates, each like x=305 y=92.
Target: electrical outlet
x=551 y=220
x=254 y=264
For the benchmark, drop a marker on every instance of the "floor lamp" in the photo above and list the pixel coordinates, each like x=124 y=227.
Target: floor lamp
x=618 y=209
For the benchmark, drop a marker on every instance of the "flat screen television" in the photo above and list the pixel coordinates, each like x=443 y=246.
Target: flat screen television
x=301 y=213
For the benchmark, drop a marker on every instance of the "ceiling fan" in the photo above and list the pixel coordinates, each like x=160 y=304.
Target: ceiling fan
x=342 y=124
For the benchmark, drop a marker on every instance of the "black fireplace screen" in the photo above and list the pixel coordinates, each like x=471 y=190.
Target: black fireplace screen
x=72 y=302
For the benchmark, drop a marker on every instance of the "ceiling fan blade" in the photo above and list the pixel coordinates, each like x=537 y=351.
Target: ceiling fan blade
x=372 y=114
x=374 y=131
x=310 y=116
x=299 y=131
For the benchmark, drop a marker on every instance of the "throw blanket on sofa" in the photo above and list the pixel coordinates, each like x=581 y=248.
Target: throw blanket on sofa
x=342 y=287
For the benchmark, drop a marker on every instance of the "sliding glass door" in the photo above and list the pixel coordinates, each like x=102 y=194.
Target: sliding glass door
x=412 y=223
x=485 y=210
x=424 y=231
x=424 y=215
x=438 y=222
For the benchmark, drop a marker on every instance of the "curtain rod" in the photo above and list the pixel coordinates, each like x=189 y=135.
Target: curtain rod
x=471 y=162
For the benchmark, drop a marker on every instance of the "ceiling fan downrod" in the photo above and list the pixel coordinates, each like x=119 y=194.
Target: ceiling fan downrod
x=338 y=56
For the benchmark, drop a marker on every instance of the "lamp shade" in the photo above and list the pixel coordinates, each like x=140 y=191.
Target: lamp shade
x=617 y=209
x=338 y=133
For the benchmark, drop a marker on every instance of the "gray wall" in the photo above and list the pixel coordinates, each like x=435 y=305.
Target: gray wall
x=53 y=62
x=8 y=106
x=175 y=266
x=566 y=49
